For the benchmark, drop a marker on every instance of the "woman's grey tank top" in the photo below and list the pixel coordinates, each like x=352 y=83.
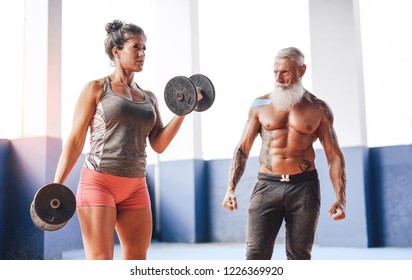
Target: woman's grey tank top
x=118 y=133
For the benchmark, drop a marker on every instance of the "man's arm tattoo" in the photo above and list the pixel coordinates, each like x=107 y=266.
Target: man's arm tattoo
x=237 y=168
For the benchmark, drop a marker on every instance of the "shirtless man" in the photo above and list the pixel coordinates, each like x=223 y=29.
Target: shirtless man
x=289 y=120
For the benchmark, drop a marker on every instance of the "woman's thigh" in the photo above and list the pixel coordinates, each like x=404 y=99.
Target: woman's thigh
x=134 y=229
x=97 y=224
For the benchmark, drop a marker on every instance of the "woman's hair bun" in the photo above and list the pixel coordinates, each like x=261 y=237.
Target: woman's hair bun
x=113 y=26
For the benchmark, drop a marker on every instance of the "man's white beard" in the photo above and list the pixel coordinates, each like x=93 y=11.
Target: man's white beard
x=284 y=99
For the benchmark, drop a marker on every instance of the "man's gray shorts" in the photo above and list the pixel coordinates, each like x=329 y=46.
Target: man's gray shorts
x=294 y=199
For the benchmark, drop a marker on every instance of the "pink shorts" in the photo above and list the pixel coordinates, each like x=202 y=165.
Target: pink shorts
x=100 y=189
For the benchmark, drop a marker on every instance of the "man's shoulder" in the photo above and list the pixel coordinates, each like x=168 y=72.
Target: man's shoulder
x=320 y=104
x=314 y=99
x=261 y=101
x=309 y=95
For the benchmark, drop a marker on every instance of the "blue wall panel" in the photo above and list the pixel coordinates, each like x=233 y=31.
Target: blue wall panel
x=184 y=203
x=177 y=201
x=4 y=179
x=28 y=161
x=33 y=162
x=391 y=189
x=202 y=206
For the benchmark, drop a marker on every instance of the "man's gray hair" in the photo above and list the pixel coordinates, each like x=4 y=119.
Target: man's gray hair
x=293 y=53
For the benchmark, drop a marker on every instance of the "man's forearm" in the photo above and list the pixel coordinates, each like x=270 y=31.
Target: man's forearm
x=338 y=178
x=237 y=168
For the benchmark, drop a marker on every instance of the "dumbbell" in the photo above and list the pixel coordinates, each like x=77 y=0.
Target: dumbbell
x=52 y=207
x=181 y=94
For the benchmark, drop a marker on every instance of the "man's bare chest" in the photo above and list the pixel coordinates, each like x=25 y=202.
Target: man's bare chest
x=302 y=120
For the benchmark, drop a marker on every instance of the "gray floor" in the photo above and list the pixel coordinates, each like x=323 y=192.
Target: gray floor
x=235 y=251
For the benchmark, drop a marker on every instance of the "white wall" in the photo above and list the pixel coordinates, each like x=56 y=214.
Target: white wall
x=387 y=60
x=337 y=66
x=11 y=70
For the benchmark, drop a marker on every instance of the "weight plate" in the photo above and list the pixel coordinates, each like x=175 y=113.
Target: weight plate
x=207 y=89
x=42 y=225
x=52 y=207
x=180 y=95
